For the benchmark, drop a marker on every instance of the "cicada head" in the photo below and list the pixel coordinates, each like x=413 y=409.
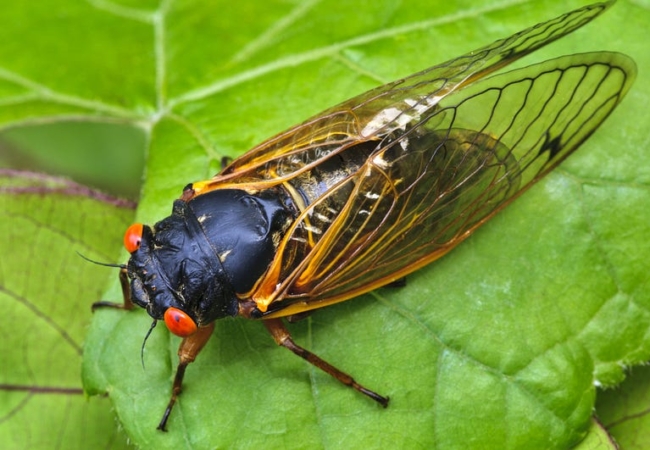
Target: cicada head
x=173 y=268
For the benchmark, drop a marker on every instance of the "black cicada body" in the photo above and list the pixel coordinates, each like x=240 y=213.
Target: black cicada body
x=176 y=264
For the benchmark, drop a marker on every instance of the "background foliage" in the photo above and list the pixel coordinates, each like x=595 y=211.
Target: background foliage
x=499 y=345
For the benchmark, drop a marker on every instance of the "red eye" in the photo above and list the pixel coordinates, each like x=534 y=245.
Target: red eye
x=179 y=323
x=132 y=237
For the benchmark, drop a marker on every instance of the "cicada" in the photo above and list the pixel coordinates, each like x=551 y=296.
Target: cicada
x=368 y=191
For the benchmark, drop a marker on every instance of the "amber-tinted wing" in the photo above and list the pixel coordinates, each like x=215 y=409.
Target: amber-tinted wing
x=376 y=112
x=451 y=146
x=443 y=165
x=430 y=185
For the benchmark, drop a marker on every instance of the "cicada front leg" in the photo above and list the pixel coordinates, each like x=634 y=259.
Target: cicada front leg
x=187 y=353
x=127 y=303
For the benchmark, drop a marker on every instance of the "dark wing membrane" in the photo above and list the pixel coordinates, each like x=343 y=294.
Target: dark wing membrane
x=436 y=178
x=380 y=110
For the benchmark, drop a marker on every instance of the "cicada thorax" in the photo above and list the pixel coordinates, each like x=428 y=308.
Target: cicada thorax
x=210 y=250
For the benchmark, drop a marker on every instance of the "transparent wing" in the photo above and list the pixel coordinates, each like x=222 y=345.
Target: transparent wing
x=441 y=152
x=378 y=112
x=433 y=181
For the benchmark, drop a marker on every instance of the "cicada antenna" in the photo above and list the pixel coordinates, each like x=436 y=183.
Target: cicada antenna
x=119 y=266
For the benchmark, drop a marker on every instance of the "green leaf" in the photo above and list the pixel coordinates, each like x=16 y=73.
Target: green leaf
x=624 y=411
x=597 y=439
x=497 y=345
x=45 y=288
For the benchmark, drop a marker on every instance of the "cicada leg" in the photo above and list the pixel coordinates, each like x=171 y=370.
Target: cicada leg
x=225 y=162
x=293 y=318
x=127 y=303
x=399 y=283
x=187 y=352
x=282 y=337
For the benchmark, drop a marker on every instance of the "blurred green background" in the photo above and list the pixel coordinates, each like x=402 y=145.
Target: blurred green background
x=108 y=157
